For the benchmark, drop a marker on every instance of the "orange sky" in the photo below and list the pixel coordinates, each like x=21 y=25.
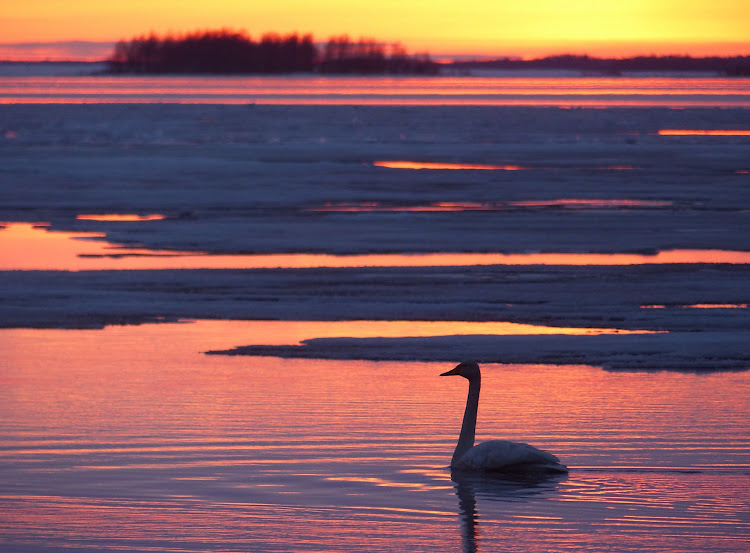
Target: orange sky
x=476 y=27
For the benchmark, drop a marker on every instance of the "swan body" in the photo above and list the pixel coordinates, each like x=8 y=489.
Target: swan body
x=494 y=455
x=507 y=456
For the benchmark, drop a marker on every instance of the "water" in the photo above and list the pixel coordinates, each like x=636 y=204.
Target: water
x=444 y=90
x=130 y=438
x=28 y=247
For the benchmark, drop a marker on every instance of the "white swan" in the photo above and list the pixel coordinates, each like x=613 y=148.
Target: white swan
x=494 y=455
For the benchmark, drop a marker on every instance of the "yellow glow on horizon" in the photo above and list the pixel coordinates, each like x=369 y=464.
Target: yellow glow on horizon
x=534 y=27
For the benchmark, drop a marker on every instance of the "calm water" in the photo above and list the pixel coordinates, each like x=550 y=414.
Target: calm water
x=25 y=246
x=477 y=90
x=129 y=438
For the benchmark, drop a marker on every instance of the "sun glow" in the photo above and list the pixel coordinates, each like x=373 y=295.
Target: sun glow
x=478 y=27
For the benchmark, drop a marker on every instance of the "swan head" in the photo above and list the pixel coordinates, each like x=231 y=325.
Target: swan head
x=467 y=369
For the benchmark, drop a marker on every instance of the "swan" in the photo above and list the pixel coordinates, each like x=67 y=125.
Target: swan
x=494 y=455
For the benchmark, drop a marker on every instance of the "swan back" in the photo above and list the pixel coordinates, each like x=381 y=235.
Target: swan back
x=509 y=457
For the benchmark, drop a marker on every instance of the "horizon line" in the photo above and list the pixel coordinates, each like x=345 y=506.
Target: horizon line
x=83 y=51
x=452 y=58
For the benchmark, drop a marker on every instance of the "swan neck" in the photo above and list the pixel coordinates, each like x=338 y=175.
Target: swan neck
x=468 y=427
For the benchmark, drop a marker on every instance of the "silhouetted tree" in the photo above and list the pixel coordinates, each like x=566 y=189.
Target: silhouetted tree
x=738 y=65
x=233 y=52
x=368 y=56
x=219 y=52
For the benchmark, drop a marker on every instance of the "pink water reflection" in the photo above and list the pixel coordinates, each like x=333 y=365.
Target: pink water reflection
x=581 y=203
x=442 y=90
x=114 y=438
x=25 y=246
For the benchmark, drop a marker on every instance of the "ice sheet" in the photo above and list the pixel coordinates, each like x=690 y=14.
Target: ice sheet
x=244 y=179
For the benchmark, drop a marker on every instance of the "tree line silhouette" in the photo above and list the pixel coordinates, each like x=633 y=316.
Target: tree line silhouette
x=733 y=65
x=234 y=52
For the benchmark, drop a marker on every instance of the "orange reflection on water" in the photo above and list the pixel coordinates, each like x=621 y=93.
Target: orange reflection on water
x=448 y=166
x=295 y=332
x=703 y=132
x=23 y=245
x=27 y=247
x=481 y=166
x=361 y=207
x=593 y=203
x=439 y=90
x=562 y=102
x=701 y=306
x=125 y=217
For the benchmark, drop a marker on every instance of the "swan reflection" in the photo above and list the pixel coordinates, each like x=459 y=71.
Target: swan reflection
x=494 y=487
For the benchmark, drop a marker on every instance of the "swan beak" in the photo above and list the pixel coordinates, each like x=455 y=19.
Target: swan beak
x=453 y=372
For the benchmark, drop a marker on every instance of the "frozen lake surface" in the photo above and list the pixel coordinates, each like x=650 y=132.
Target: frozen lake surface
x=594 y=262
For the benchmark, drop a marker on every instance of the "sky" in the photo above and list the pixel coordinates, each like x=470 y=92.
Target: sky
x=86 y=29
